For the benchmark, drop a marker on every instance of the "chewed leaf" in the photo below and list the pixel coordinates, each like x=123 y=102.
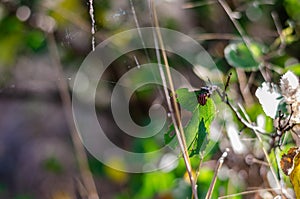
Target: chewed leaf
x=238 y=55
x=269 y=98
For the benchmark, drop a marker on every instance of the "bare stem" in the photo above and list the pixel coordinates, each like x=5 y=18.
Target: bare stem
x=81 y=156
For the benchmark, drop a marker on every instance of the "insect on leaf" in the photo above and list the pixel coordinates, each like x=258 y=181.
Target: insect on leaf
x=205 y=118
x=197 y=128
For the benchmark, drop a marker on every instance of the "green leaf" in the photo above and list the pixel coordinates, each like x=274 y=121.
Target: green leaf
x=238 y=55
x=205 y=118
x=187 y=99
x=197 y=128
x=292 y=8
x=207 y=112
x=169 y=135
x=201 y=140
x=191 y=128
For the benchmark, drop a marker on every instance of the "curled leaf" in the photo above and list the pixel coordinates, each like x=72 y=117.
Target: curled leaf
x=290 y=165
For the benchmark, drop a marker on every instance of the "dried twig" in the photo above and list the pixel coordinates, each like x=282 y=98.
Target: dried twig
x=213 y=182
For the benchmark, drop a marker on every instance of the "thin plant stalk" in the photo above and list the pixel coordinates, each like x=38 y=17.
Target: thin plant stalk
x=176 y=115
x=247 y=192
x=213 y=182
x=80 y=153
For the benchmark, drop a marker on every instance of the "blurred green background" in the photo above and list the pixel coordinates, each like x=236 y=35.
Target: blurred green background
x=37 y=159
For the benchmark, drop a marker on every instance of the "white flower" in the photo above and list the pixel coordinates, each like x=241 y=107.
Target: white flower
x=290 y=90
x=289 y=85
x=268 y=97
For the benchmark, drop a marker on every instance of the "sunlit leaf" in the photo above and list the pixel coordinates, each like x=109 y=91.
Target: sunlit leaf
x=191 y=128
x=295 y=68
x=201 y=140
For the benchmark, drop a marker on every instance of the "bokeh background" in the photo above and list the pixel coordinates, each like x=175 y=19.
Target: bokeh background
x=38 y=158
